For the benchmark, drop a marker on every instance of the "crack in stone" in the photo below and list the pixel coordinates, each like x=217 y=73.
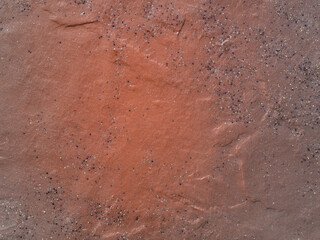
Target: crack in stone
x=72 y=25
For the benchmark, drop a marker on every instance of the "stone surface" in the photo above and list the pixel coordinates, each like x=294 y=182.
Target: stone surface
x=159 y=119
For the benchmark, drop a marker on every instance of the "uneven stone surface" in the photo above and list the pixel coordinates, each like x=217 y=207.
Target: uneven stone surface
x=159 y=119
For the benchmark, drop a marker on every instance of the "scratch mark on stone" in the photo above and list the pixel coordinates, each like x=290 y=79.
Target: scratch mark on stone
x=184 y=21
x=204 y=177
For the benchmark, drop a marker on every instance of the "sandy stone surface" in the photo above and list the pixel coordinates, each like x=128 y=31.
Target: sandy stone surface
x=180 y=119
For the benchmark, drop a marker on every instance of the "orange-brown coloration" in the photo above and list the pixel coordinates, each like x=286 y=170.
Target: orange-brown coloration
x=159 y=120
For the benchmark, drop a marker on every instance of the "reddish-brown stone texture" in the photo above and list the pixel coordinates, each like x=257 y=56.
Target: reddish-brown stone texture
x=139 y=119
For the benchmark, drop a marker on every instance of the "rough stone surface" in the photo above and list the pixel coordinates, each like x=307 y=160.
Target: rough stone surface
x=160 y=119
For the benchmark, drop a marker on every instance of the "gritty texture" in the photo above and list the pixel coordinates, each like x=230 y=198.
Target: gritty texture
x=180 y=119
